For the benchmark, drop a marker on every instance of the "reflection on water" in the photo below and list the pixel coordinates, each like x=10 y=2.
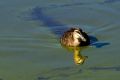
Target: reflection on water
x=78 y=57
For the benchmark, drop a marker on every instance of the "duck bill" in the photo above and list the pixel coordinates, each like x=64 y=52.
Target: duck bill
x=82 y=37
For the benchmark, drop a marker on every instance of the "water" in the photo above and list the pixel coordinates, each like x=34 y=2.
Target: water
x=29 y=39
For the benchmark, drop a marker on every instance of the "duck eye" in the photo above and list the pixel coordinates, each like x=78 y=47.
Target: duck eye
x=80 y=30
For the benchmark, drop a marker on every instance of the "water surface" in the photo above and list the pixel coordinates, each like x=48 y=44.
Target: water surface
x=29 y=39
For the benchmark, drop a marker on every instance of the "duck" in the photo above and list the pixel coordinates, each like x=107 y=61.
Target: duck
x=75 y=38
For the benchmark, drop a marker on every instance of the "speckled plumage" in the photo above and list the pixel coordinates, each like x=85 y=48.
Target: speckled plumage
x=74 y=37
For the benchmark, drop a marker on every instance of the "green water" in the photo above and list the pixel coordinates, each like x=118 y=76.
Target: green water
x=29 y=50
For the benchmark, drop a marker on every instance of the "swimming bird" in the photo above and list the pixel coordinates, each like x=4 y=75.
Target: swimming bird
x=75 y=38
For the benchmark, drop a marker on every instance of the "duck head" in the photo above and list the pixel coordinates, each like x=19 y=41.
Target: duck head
x=78 y=34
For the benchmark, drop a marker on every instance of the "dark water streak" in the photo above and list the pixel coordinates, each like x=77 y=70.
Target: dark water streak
x=116 y=68
x=42 y=78
x=66 y=72
x=110 y=1
x=63 y=73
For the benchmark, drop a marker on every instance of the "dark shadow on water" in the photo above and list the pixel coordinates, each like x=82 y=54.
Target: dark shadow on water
x=59 y=28
x=55 y=26
x=95 y=42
